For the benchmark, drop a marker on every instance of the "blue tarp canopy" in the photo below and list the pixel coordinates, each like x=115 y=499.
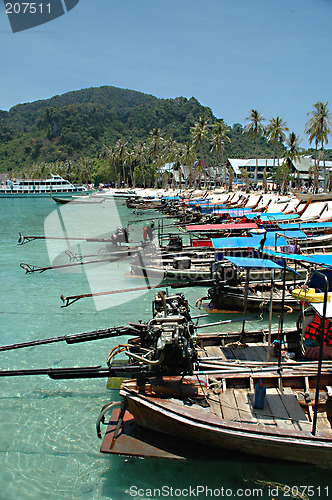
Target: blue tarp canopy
x=254 y=241
x=306 y=225
x=232 y=211
x=253 y=215
x=236 y=242
x=272 y=217
x=248 y=242
x=250 y=263
x=323 y=260
x=277 y=216
x=290 y=256
x=271 y=235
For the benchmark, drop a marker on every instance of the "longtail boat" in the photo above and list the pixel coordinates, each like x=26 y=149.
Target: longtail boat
x=219 y=411
x=281 y=411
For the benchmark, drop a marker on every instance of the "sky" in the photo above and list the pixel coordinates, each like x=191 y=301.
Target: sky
x=231 y=55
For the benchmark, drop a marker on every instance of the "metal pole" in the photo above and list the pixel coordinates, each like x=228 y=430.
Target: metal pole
x=245 y=299
x=321 y=345
x=270 y=317
x=282 y=313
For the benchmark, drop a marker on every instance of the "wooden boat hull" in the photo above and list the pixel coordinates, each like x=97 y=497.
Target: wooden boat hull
x=303 y=197
x=169 y=272
x=177 y=418
x=232 y=299
x=77 y=200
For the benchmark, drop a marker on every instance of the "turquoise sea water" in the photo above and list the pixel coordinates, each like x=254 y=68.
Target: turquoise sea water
x=48 y=443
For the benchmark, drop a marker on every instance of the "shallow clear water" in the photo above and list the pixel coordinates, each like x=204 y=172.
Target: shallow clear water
x=48 y=444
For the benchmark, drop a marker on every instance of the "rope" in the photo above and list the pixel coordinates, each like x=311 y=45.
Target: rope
x=116 y=350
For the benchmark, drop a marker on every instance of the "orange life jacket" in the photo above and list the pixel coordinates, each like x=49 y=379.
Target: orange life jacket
x=314 y=329
x=145 y=232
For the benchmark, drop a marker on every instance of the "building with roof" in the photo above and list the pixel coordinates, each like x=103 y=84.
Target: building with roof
x=249 y=164
x=301 y=171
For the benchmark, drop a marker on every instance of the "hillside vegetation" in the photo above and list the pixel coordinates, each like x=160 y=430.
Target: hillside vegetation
x=72 y=130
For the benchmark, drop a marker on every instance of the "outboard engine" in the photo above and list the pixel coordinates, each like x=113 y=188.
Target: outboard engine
x=174 y=350
x=166 y=342
x=121 y=235
x=226 y=274
x=175 y=244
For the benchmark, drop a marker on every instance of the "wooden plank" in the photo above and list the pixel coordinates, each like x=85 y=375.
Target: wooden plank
x=272 y=355
x=255 y=353
x=229 y=406
x=245 y=407
x=278 y=410
x=294 y=410
x=264 y=416
x=208 y=350
x=238 y=353
x=214 y=351
x=215 y=404
x=323 y=423
x=227 y=352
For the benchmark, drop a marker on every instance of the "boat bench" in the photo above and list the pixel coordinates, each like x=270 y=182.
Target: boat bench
x=281 y=408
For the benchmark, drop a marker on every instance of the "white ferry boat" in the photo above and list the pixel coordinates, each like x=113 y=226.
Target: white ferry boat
x=38 y=187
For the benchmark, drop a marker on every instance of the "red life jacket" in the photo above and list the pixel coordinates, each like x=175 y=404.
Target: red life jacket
x=314 y=329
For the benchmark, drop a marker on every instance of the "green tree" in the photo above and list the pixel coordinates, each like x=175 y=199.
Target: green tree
x=121 y=157
x=200 y=136
x=141 y=153
x=318 y=128
x=276 y=132
x=219 y=137
x=112 y=161
x=156 y=150
x=255 y=129
x=293 y=152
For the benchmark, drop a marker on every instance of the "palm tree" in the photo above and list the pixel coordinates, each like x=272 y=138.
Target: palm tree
x=83 y=166
x=141 y=158
x=111 y=155
x=199 y=135
x=219 y=137
x=276 y=132
x=172 y=153
x=156 y=149
x=293 y=152
x=130 y=160
x=318 y=128
x=246 y=178
x=255 y=129
x=121 y=155
x=187 y=156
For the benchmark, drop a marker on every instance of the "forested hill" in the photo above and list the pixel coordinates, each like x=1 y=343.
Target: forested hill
x=78 y=123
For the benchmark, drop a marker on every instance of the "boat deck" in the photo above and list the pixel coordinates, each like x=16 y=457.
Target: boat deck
x=284 y=408
x=257 y=351
x=281 y=409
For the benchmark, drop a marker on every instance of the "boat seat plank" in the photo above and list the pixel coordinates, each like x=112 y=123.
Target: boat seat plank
x=264 y=416
x=255 y=353
x=245 y=406
x=214 y=351
x=323 y=423
x=228 y=353
x=215 y=404
x=238 y=353
x=229 y=406
x=294 y=410
x=278 y=410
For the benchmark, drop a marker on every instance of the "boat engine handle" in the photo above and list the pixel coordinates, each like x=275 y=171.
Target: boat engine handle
x=103 y=412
